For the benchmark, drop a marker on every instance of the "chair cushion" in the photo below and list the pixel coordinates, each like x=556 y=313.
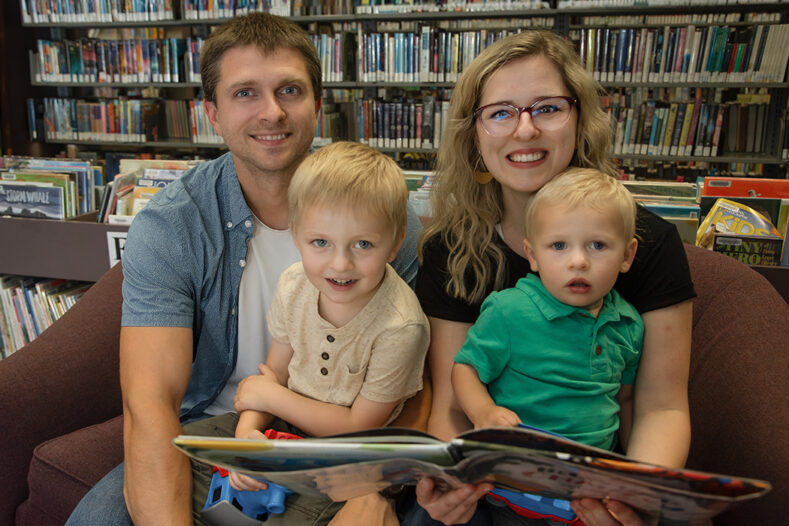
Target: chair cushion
x=63 y=469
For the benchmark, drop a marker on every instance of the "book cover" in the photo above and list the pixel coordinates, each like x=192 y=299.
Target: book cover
x=28 y=199
x=56 y=179
x=749 y=249
x=517 y=459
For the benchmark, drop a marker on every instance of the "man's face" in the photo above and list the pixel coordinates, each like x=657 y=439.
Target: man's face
x=265 y=110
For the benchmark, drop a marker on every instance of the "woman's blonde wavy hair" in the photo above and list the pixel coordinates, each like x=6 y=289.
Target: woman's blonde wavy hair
x=465 y=212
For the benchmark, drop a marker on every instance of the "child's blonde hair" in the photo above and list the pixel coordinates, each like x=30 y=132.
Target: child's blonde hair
x=588 y=187
x=350 y=174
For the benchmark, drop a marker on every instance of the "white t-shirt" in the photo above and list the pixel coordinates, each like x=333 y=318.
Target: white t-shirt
x=269 y=253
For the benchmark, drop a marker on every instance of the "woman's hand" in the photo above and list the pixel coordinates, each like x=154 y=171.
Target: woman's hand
x=453 y=507
x=606 y=513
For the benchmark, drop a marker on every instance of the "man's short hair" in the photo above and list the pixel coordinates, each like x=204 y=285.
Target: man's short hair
x=266 y=32
x=353 y=175
x=584 y=187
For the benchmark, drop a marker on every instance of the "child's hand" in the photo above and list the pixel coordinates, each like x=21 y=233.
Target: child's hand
x=241 y=482
x=255 y=392
x=498 y=416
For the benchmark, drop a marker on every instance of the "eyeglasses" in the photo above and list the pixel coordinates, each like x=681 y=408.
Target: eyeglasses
x=550 y=113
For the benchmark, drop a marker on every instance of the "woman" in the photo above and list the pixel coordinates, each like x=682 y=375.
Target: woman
x=492 y=158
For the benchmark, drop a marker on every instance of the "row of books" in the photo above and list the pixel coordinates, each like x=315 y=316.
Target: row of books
x=677 y=19
x=418 y=6
x=217 y=9
x=405 y=123
x=433 y=54
x=46 y=188
x=567 y=4
x=126 y=60
x=430 y=55
x=125 y=120
x=132 y=188
x=697 y=126
x=686 y=54
x=28 y=306
x=71 y=11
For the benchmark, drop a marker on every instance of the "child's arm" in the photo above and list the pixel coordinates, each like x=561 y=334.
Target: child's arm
x=268 y=392
x=319 y=418
x=476 y=402
x=251 y=423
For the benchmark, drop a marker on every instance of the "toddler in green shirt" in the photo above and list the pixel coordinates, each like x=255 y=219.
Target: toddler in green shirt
x=560 y=351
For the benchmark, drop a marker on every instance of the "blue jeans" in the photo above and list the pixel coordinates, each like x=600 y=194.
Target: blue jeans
x=104 y=504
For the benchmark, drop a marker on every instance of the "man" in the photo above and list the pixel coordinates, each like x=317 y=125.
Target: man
x=202 y=261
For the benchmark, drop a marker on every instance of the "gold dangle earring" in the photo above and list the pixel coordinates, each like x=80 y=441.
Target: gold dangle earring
x=482 y=176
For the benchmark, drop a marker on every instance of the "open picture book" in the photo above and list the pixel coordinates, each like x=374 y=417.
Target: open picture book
x=519 y=459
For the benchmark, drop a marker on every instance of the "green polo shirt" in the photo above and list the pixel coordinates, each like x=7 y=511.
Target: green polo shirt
x=558 y=367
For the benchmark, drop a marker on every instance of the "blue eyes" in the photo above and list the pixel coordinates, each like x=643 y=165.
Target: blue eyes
x=594 y=245
x=322 y=243
x=545 y=110
x=286 y=91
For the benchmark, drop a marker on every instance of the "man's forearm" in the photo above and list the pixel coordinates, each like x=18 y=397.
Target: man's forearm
x=158 y=478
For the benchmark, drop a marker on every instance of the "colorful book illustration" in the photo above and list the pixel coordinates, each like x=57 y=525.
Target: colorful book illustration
x=518 y=459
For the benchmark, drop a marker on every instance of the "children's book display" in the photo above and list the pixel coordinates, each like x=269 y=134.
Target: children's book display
x=517 y=459
x=46 y=188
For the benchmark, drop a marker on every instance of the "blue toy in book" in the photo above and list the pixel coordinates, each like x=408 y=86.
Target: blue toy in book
x=226 y=506
x=535 y=506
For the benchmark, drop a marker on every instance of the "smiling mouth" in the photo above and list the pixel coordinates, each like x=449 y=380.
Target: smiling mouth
x=526 y=157
x=277 y=137
x=341 y=282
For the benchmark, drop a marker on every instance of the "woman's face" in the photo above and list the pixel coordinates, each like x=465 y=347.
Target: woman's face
x=523 y=161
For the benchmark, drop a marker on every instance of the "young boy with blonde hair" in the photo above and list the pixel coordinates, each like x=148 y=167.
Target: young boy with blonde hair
x=348 y=335
x=560 y=351
x=557 y=351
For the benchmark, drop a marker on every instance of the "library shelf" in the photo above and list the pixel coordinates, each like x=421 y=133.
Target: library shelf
x=78 y=249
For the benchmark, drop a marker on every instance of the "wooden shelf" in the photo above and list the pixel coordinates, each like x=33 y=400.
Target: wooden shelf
x=76 y=249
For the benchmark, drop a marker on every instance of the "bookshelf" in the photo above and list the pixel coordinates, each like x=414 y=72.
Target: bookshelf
x=387 y=87
x=462 y=29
